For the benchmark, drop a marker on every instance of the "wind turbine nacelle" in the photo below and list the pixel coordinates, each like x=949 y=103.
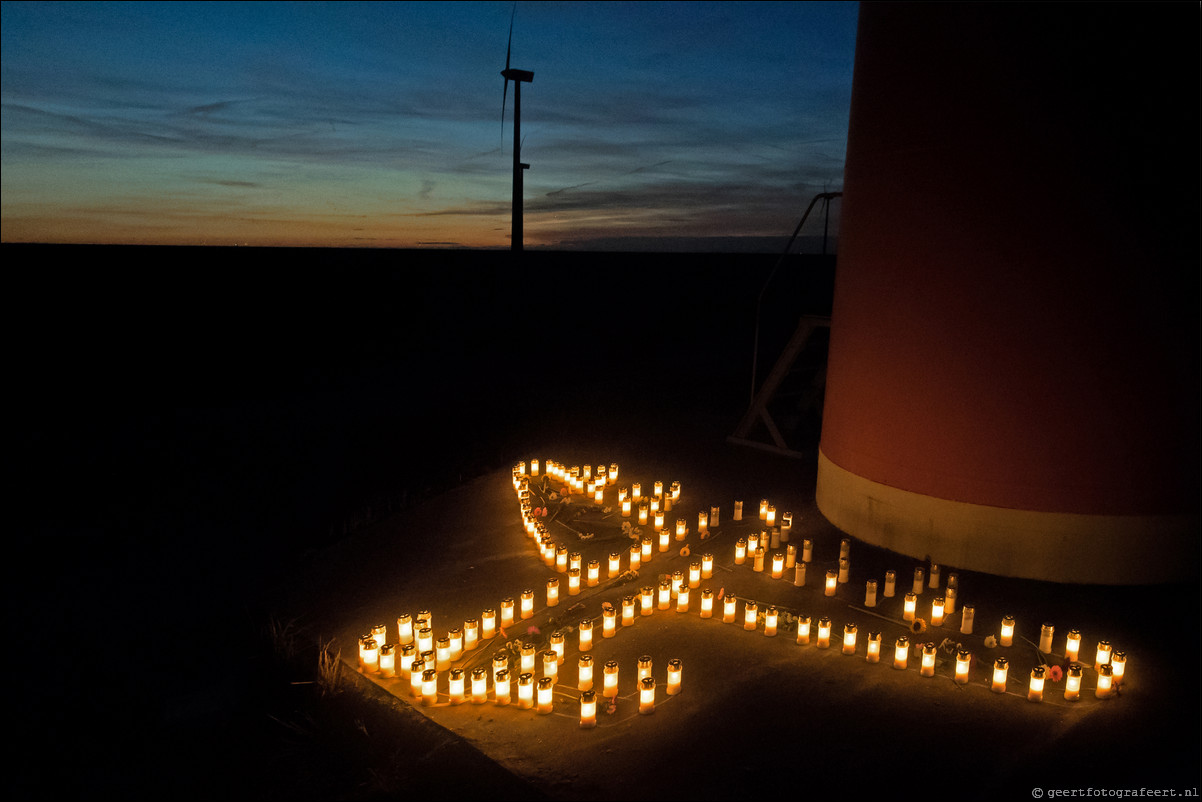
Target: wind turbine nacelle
x=518 y=75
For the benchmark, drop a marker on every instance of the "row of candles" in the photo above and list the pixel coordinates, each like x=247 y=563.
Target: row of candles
x=423 y=668
x=1109 y=665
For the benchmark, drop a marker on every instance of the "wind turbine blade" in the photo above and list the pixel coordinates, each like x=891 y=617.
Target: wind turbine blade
x=505 y=88
x=509 y=44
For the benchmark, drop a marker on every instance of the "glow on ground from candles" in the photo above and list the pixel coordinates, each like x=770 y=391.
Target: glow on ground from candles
x=554 y=509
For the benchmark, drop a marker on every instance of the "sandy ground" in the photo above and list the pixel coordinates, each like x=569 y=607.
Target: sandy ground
x=759 y=715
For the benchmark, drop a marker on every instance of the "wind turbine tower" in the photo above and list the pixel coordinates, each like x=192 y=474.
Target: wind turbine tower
x=517 y=76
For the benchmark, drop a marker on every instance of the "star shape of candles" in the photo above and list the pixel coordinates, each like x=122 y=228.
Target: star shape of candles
x=447 y=666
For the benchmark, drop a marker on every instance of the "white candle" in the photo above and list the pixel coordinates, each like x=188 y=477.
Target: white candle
x=455 y=686
x=963 y=663
x=807 y=551
x=770 y=619
x=1035 y=686
x=738 y=516
x=552 y=596
x=588 y=709
x=546 y=690
x=1001 y=667
x=1072 y=683
x=584 y=672
x=799 y=575
x=594 y=573
x=937 y=611
x=750 y=616
x=832 y=582
x=1072 y=645
x=966 y=615
x=874 y=647
x=918 y=581
x=646 y=696
x=501 y=694
x=870 y=593
x=429 y=687
x=740 y=551
x=528 y=603
x=675 y=668
x=647 y=600
x=728 y=610
x=471 y=634
x=901 y=652
x=1007 y=633
x=526 y=690
x=682 y=599
x=824 y=633
x=927 y=668
x=1046 y=633
x=707 y=603
x=890 y=584
x=628 y=610
x=609 y=679
x=910 y=603
x=849 y=639
x=803 y=630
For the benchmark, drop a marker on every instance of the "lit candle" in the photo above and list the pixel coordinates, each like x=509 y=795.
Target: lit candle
x=770 y=516
x=550 y=665
x=1072 y=683
x=1046 y=633
x=910 y=603
x=647 y=544
x=937 y=611
x=763 y=509
x=1007 y=633
x=646 y=600
x=890 y=584
x=778 y=565
x=636 y=556
x=636 y=491
x=870 y=593
x=388 y=660
x=628 y=610
x=963 y=663
x=740 y=551
x=584 y=672
x=927 y=667
x=807 y=551
x=966 y=615
x=695 y=574
x=1118 y=666
x=753 y=541
x=501 y=694
x=405 y=660
x=404 y=625
x=874 y=647
x=416 y=669
x=803 y=630
x=594 y=573
x=599 y=493
x=586 y=634
x=546 y=689
x=703 y=521
x=1035 y=687
x=919 y=576
x=682 y=599
x=626 y=507
x=609 y=622
x=707 y=566
x=425 y=639
x=429 y=687
x=528 y=602
x=500 y=662
x=664 y=536
x=832 y=582
x=557 y=644
x=455 y=686
x=369 y=654
x=1072 y=646
x=665 y=594
x=644 y=512
x=1105 y=681
x=609 y=679
x=758 y=566
x=770 y=618
x=1102 y=656
x=1001 y=667
x=573 y=582
x=678 y=582
x=479 y=685
x=728 y=610
x=588 y=709
x=552 y=596
x=682 y=528
x=675 y=668
x=526 y=690
x=646 y=696
x=471 y=634
x=901 y=652
x=612 y=476
x=455 y=636
x=707 y=603
x=750 y=616
x=849 y=638
x=824 y=633
x=799 y=575
x=528 y=654
x=561 y=559
x=615 y=564
x=442 y=653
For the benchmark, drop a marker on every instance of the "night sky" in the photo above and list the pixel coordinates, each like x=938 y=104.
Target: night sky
x=380 y=124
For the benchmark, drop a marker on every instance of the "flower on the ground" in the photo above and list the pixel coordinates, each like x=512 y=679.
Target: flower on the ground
x=1055 y=673
x=918 y=625
x=990 y=642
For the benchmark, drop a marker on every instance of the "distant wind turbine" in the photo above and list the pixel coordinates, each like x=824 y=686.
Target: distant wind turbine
x=517 y=76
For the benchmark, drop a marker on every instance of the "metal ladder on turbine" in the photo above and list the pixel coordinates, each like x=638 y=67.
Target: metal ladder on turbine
x=807 y=340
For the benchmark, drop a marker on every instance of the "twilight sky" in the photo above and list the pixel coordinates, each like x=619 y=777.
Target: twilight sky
x=379 y=124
